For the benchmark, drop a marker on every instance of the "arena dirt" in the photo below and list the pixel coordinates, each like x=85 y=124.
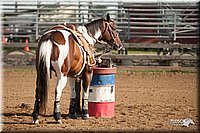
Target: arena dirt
x=145 y=101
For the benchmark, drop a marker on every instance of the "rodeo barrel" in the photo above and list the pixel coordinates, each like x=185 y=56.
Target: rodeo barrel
x=101 y=101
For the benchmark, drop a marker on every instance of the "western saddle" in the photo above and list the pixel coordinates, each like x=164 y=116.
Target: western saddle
x=78 y=37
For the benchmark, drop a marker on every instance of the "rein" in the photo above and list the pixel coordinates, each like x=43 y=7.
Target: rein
x=108 y=29
x=106 y=51
x=108 y=48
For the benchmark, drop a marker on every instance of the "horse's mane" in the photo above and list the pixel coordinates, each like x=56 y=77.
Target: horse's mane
x=95 y=25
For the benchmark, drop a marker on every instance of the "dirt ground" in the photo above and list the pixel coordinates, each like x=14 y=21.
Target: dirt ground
x=145 y=101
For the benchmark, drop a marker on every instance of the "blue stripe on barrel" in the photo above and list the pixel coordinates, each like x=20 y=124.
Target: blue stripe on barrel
x=102 y=80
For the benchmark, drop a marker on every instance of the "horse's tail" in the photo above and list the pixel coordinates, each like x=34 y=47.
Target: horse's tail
x=43 y=72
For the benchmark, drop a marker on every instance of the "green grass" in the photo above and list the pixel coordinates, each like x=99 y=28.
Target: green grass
x=141 y=52
x=158 y=71
x=123 y=70
x=138 y=52
x=19 y=69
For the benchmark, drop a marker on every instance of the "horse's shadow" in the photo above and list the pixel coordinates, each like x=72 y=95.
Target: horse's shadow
x=15 y=114
x=24 y=114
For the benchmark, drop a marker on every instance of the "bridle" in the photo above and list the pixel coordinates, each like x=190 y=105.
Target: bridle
x=108 y=28
x=111 y=42
x=113 y=36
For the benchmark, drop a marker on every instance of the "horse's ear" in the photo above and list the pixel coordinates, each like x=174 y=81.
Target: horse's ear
x=108 y=17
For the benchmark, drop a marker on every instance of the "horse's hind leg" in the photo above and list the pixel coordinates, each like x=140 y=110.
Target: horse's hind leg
x=35 y=114
x=61 y=83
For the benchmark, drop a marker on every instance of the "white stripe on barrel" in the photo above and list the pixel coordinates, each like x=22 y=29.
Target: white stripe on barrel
x=101 y=101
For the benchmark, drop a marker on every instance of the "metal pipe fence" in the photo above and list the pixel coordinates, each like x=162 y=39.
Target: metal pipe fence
x=140 y=25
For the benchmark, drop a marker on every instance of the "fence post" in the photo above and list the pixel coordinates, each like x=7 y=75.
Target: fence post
x=175 y=26
x=82 y=18
x=175 y=52
x=79 y=12
x=129 y=25
x=37 y=26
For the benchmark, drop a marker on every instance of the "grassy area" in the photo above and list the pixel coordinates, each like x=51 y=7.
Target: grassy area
x=157 y=70
x=18 y=69
x=139 y=51
x=122 y=69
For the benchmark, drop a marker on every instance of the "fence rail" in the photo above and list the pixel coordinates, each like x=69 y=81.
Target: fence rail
x=134 y=20
x=140 y=25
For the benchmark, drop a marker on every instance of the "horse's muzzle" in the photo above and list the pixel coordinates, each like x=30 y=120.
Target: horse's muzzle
x=117 y=47
x=121 y=47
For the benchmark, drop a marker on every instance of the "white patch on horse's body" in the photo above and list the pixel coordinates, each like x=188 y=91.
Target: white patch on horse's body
x=63 y=52
x=97 y=34
x=61 y=83
x=64 y=49
x=85 y=95
x=90 y=39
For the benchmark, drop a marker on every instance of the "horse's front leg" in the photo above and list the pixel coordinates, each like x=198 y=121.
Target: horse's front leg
x=61 y=83
x=85 y=93
x=74 y=106
x=78 y=98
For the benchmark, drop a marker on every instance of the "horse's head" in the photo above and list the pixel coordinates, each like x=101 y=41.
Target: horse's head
x=105 y=29
x=110 y=35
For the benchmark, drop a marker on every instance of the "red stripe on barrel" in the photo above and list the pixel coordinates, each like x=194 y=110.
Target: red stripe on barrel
x=101 y=70
x=101 y=109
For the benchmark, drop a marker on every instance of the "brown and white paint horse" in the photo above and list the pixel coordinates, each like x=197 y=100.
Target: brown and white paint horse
x=58 y=50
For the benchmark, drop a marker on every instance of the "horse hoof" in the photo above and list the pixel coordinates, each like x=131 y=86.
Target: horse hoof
x=57 y=116
x=73 y=116
x=85 y=117
x=59 y=121
x=36 y=121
